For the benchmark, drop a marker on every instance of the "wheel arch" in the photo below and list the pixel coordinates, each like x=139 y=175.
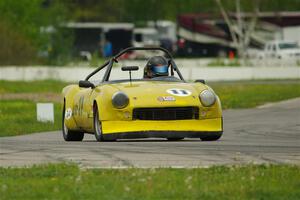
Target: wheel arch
x=68 y=94
x=104 y=105
x=100 y=104
x=94 y=106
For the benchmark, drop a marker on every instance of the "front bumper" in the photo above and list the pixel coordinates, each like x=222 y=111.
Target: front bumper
x=161 y=134
x=165 y=129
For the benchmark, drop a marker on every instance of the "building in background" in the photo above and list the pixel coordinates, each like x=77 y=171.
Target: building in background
x=157 y=33
x=145 y=37
x=91 y=37
x=208 y=35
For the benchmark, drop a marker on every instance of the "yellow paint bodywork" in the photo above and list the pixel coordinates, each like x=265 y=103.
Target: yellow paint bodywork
x=142 y=94
x=204 y=125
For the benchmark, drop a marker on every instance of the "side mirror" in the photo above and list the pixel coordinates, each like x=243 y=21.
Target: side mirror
x=86 y=84
x=130 y=68
x=200 y=81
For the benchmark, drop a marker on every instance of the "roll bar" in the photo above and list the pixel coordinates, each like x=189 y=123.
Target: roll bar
x=110 y=62
x=142 y=48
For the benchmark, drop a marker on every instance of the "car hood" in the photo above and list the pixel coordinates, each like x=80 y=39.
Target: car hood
x=155 y=93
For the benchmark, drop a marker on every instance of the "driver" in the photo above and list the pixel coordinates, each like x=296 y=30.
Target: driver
x=156 y=66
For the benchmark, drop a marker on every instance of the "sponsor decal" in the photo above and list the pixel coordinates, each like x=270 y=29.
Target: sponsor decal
x=179 y=92
x=167 y=98
x=68 y=113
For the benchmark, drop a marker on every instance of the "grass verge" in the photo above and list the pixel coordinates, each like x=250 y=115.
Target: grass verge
x=31 y=86
x=249 y=94
x=61 y=181
x=19 y=117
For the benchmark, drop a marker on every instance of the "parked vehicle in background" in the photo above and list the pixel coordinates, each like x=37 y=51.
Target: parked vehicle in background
x=144 y=37
x=91 y=37
x=167 y=33
x=160 y=32
x=282 y=50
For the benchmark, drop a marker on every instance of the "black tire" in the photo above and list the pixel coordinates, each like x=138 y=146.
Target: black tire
x=97 y=125
x=174 y=139
x=69 y=135
x=213 y=137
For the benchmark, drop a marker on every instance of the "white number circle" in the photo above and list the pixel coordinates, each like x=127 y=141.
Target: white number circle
x=68 y=113
x=179 y=92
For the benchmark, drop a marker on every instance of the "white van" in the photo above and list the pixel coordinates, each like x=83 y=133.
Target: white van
x=282 y=50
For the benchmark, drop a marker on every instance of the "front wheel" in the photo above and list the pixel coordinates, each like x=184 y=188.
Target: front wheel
x=97 y=125
x=69 y=135
x=212 y=137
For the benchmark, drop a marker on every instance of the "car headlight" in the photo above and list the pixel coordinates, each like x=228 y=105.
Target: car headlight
x=120 y=100
x=207 y=98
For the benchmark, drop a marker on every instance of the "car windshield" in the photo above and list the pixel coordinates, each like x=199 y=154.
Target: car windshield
x=159 y=79
x=290 y=45
x=139 y=59
x=118 y=75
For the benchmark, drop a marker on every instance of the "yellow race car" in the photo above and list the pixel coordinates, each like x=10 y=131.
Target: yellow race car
x=163 y=106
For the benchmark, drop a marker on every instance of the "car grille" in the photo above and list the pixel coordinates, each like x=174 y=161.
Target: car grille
x=169 y=113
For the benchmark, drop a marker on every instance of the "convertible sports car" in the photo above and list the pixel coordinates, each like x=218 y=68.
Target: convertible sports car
x=162 y=106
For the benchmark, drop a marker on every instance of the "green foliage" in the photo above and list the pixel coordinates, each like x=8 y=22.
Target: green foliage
x=21 y=22
x=25 y=20
x=96 y=60
x=67 y=181
x=15 y=44
x=224 y=62
x=280 y=5
x=97 y=10
x=138 y=11
x=135 y=10
x=60 y=47
x=25 y=16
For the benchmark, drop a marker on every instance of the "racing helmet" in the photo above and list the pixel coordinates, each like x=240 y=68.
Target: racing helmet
x=156 y=66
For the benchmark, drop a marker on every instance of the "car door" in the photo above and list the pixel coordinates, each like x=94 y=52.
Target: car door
x=82 y=108
x=88 y=99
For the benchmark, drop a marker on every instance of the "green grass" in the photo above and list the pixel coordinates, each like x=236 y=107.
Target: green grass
x=61 y=181
x=249 y=94
x=224 y=63
x=19 y=117
x=31 y=86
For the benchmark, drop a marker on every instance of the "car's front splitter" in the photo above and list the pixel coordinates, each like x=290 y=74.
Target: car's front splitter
x=204 y=125
x=161 y=134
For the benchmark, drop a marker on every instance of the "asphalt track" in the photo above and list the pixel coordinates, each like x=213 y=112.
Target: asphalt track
x=268 y=134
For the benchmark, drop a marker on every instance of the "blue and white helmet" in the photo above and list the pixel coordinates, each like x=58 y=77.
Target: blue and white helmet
x=156 y=66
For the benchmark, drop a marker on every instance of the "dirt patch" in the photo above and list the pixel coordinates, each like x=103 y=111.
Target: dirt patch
x=36 y=97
